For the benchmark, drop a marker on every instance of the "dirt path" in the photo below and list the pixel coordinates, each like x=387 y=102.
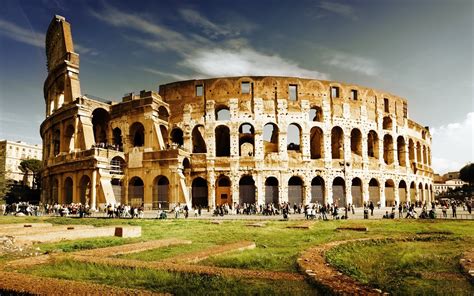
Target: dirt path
x=22 y=283
x=213 y=251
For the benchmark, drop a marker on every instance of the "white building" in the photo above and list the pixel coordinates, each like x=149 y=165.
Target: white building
x=440 y=188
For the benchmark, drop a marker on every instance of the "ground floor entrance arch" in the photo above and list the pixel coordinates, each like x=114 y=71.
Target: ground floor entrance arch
x=356 y=191
x=246 y=190
x=374 y=191
x=68 y=190
x=317 y=190
x=295 y=191
x=199 y=193
x=161 y=189
x=223 y=191
x=136 y=192
x=85 y=190
x=389 y=193
x=402 y=192
x=271 y=191
x=339 y=192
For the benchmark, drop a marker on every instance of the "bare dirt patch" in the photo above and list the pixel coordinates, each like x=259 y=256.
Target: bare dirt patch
x=467 y=264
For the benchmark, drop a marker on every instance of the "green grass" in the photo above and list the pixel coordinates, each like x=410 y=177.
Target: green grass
x=427 y=265
x=277 y=249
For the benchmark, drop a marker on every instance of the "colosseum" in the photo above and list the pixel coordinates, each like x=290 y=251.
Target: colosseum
x=227 y=140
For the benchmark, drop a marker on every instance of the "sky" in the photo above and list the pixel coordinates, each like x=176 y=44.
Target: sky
x=418 y=49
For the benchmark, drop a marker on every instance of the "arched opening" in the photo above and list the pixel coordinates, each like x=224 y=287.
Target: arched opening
x=389 y=193
x=317 y=190
x=270 y=138
x=164 y=135
x=294 y=137
x=222 y=113
x=388 y=149
x=186 y=164
x=387 y=123
x=295 y=190
x=423 y=135
x=316 y=114
x=317 y=143
x=337 y=143
x=56 y=142
x=411 y=151
x=374 y=191
x=247 y=190
x=100 y=125
x=55 y=191
x=199 y=145
x=339 y=192
x=373 y=145
x=68 y=190
x=429 y=156
x=117 y=189
x=426 y=194
x=222 y=141
x=246 y=140
x=85 y=190
x=401 y=151
x=356 y=191
x=356 y=142
x=421 y=193
x=271 y=191
x=425 y=161
x=177 y=137
x=161 y=187
x=117 y=139
x=223 y=191
x=163 y=113
x=137 y=134
x=199 y=193
x=402 y=192
x=136 y=192
x=418 y=153
x=69 y=139
x=412 y=192
x=117 y=166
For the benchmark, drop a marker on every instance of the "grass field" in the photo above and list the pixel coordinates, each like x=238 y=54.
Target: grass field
x=400 y=267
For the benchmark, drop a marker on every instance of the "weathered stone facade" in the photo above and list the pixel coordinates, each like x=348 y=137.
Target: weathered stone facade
x=228 y=140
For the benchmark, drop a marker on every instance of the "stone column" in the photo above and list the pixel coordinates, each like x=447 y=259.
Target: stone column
x=284 y=188
x=348 y=189
x=282 y=145
x=328 y=192
x=260 y=190
x=93 y=200
x=258 y=145
x=365 y=191
x=396 y=193
x=211 y=179
x=307 y=194
x=382 y=194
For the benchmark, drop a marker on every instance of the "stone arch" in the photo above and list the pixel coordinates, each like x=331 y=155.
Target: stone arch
x=337 y=143
x=222 y=112
x=420 y=192
x=164 y=134
x=339 y=191
x=199 y=145
x=293 y=140
x=356 y=142
x=425 y=161
x=318 y=190
x=247 y=190
x=411 y=151
x=199 y=195
x=412 y=191
x=387 y=123
x=316 y=114
x=426 y=193
x=373 y=144
x=389 y=193
x=222 y=141
x=401 y=151
x=402 y=192
x=117 y=138
x=136 y=191
x=186 y=164
x=55 y=190
x=117 y=189
x=85 y=190
x=356 y=191
x=295 y=190
x=246 y=139
x=137 y=134
x=270 y=137
x=56 y=142
x=161 y=186
x=177 y=136
x=100 y=125
x=163 y=113
x=374 y=191
x=418 y=153
x=317 y=143
x=69 y=138
x=223 y=190
x=388 y=149
x=117 y=165
x=68 y=190
x=272 y=191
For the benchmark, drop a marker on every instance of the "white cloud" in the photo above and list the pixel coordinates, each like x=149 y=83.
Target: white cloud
x=344 y=10
x=453 y=145
x=203 y=56
x=350 y=62
x=30 y=37
x=162 y=73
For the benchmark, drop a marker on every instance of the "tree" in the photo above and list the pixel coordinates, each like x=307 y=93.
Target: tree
x=467 y=174
x=34 y=166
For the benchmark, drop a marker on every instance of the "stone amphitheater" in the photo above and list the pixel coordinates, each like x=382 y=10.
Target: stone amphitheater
x=230 y=140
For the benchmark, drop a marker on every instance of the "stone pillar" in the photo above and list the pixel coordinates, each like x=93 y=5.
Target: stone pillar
x=258 y=145
x=125 y=193
x=347 y=147
x=382 y=194
x=395 y=152
x=396 y=193
x=211 y=179
x=328 y=192
x=260 y=189
x=282 y=149
x=365 y=191
x=327 y=148
x=305 y=144
x=307 y=194
x=93 y=200
x=284 y=188
x=348 y=189
x=234 y=140
x=60 y=189
x=365 y=152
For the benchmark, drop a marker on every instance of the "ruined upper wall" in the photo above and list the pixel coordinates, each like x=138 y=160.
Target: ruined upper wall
x=58 y=42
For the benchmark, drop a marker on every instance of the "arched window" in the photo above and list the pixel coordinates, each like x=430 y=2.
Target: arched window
x=69 y=139
x=117 y=138
x=317 y=143
x=295 y=191
x=402 y=192
x=100 y=124
x=401 y=151
x=387 y=123
x=337 y=143
x=199 y=145
x=222 y=113
x=373 y=145
x=68 y=190
x=294 y=137
x=411 y=150
x=356 y=142
x=222 y=141
x=246 y=140
x=56 y=142
x=117 y=165
x=163 y=113
x=270 y=137
x=137 y=134
x=316 y=114
x=388 y=149
x=177 y=136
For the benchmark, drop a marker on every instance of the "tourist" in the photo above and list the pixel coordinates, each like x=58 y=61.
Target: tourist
x=453 y=208
x=371 y=207
x=400 y=209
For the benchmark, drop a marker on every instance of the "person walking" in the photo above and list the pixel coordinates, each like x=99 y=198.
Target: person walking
x=371 y=207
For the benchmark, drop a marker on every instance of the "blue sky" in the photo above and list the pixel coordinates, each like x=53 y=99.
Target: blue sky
x=420 y=50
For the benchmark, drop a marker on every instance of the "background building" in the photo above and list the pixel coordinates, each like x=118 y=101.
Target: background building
x=227 y=140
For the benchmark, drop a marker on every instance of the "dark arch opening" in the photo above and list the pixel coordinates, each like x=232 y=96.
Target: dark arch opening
x=247 y=190
x=137 y=134
x=100 y=124
x=295 y=190
x=199 y=193
x=222 y=141
x=317 y=143
x=161 y=193
x=317 y=190
x=199 y=145
x=337 y=143
x=356 y=191
x=271 y=191
x=270 y=138
x=177 y=136
x=339 y=191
